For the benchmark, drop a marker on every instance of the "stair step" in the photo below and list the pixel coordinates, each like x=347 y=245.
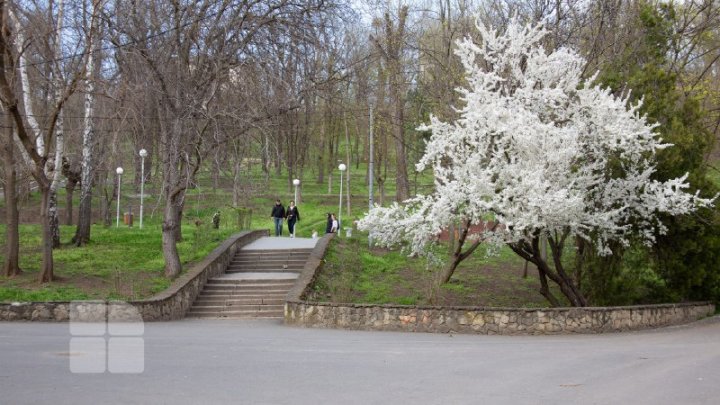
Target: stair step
x=232 y=315
x=228 y=296
x=257 y=286
x=248 y=270
x=278 y=269
x=236 y=309
x=279 y=266
x=269 y=262
x=240 y=307
x=242 y=291
x=273 y=251
x=225 y=298
x=231 y=281
x=240 y=301
x=278 y=262
x=236 y=293
x=271 y=257
x=252 y=291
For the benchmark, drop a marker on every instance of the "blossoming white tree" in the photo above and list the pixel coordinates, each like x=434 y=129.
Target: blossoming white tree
x=537 y=152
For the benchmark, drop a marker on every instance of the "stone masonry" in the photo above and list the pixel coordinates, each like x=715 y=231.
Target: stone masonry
x=502 y=321
x=170 y=304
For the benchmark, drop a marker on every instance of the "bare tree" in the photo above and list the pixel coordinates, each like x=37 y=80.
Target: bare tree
x=34 y=141
x=391 y=48
x=82 y=232
x=193 y=48
x=11 y=267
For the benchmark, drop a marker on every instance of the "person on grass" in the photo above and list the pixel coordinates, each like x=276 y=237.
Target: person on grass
x=277 y=215
x=335 y=224
x=328 y=225
x=292 y=215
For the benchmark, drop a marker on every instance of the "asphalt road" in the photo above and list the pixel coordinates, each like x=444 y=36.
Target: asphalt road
x=264 y=362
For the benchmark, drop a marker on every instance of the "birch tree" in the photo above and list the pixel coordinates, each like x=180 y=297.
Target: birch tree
x=35 y=141
x=82 y=232
x=539 y=152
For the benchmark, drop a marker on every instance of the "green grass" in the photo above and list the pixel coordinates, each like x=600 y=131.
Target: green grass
x=119 y=263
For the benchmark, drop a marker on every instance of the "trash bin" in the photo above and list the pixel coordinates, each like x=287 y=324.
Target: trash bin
x=128 y=219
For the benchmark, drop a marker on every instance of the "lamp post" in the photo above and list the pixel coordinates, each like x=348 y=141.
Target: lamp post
x=142 y=154
x=342 y=168
x=296 y=183
x=119 y=172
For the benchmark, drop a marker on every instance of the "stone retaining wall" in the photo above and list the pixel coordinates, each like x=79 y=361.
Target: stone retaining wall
x=503 y=321
x=170 y=304
x=480 y=320
x=310 y=271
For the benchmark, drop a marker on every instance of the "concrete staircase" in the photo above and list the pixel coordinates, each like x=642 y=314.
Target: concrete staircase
x=269 y=261
x=254 y=285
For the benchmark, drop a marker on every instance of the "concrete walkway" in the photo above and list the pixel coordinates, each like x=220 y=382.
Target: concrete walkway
x=281 y=242
x=262 y=362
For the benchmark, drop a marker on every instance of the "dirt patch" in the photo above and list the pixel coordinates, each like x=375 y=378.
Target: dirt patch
x=381 y=276
x=485 y=285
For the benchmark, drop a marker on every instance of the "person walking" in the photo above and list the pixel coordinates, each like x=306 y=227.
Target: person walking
x=277 y=215
x=335 y=224
x=328 y=225
x=292 y=215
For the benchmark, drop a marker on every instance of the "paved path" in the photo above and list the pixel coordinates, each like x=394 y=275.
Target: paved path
x=281 y=242
x=263 y=362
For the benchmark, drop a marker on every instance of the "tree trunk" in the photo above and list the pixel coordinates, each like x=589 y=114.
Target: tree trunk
x=53 y=218
x=107 y=201
x=169 y=239
x=11 y=266
x=178 y=216
x=321 y=155
x=458 y=255
x=381 y=188
x=236 y=182
x=545 y=289
x=58 y=83
x=82 y=232
x=349 y=168
x=69 y=191
x=402 y=184
x=46 y=269
x=174 y=198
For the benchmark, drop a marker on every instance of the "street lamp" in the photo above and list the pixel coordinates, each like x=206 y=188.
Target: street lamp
x=119 y=172
x=296 y=183
x=142 y=154
x=342 y=168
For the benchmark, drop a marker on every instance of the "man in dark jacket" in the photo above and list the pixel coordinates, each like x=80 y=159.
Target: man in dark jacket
x=278 y=214
x=328 y=226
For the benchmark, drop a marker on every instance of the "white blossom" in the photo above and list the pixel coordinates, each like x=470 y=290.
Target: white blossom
x=537 y=149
